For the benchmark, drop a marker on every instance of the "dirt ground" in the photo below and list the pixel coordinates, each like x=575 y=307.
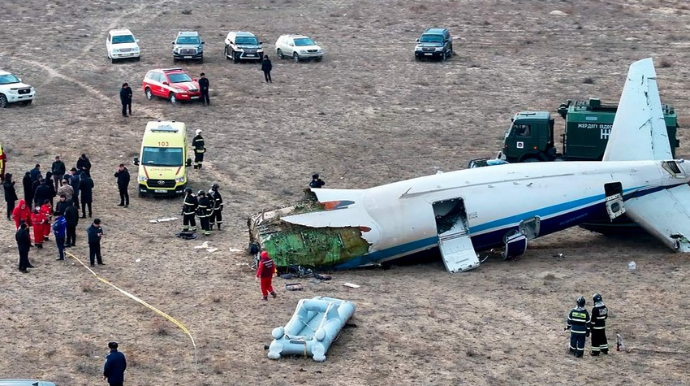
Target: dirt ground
x=367 y=115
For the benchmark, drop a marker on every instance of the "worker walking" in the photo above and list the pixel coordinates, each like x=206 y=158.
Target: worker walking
x=204 y=211
x=115 y=366
x=578 y=324
x=204 y=87
x=598 y=325
x=95 y=233
x=265 y=271
x=189 y=211
x=199 y=149
x=122 y=175
x=217 y=202
x=266 y=67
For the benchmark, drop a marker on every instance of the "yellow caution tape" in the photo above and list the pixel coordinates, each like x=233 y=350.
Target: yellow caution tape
x=129 y=295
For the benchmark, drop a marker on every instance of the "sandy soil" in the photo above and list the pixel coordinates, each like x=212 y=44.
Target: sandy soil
x=367 y=115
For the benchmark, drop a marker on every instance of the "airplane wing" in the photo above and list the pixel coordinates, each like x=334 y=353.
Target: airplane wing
x=664 y=214
x=639 y=130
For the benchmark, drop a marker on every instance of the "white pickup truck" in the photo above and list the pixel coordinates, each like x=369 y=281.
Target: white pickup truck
x=12 y=90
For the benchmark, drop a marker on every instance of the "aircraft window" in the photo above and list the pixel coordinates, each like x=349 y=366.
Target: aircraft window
x=522 y=130
x=672 y=167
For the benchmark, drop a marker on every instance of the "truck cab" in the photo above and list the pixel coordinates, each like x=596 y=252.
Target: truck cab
x=529 y=138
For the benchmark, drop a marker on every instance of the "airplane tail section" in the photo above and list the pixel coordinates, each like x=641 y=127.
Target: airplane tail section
x=639 y=130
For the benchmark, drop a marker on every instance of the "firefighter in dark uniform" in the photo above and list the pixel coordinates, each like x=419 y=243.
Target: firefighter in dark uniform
x=578 y=324
x=199 y=149
x=316 y=182
x=598 y=326
x=217 y=202
x=189 y=211
x=204 y=86
x=204 y=211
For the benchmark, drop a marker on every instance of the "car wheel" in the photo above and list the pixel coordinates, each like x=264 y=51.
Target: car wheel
x=138 y=58
x=318 y=59
x=225 y=53
x=172 y=98
x=3 y=101
x=295 y=57
x=201 y=60
x=148 y=93
x=112 y=60
x=280 y=54
x=235 y=57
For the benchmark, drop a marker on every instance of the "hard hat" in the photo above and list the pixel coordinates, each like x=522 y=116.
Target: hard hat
x=188 y=190
x=264 y=254
x=596 y=298
x=215 y=186
x=201 y=193
x=315 y=175
x=581 y=301
x=198 y=131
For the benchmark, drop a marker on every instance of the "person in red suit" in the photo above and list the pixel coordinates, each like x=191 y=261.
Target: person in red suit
x=47 y=211
x=265 y=273
x=21 y=212
x=38 y=219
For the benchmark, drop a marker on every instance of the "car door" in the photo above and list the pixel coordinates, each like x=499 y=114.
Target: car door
x=163 y=88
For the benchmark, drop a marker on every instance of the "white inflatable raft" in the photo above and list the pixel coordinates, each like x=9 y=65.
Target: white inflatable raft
x=312 y=329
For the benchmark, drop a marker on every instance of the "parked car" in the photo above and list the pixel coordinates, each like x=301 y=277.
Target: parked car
x=188 y=46
x=121 y=44
x=435 y=43
x=171 y=83
x=24 y=382
x=241 y=46
x=12 y=90
x=298 y=47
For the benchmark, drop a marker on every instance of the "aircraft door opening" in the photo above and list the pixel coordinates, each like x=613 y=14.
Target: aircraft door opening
x=453 y=235
x=614 y=200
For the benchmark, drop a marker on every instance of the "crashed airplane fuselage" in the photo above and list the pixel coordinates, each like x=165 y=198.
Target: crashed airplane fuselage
x=475 y=209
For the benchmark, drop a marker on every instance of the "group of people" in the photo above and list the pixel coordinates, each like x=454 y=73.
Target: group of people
x=208 y=207
x=581 y=324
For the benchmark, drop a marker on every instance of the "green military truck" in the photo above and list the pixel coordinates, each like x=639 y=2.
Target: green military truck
x=530 y=137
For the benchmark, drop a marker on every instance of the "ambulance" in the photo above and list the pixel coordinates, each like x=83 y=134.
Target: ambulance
x=163 y=160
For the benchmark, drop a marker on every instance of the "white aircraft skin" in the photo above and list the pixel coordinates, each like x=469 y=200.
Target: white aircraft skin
x=399 y=219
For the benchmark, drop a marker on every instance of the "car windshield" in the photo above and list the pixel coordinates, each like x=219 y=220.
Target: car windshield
x=304 y=42
x=179 y=77
x=188 y=40
x=162 y=156
x=249 y=40
x=123 y=39
x=431 y=39
x=8 y=79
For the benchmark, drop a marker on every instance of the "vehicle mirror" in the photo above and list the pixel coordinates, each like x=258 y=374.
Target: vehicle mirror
x=19 y=79
x=136 y=40
x=172 y=42
x=166 y=83
x=417 y=40
x=136 y=161
x=291 y=45
x=189 y=162
x=203 y=42
x=261 y=42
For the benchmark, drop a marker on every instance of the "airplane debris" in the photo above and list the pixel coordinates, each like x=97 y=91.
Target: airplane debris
x=211 y=250
x=294 y=287
x=204 y=245
x=351 y=285
x=165 y=219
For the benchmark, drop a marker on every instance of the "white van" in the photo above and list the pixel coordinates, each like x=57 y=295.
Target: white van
x=121 y=44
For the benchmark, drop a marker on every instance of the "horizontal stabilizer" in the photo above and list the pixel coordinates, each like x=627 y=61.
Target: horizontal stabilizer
x=327 y=195
x=639 y=130
x=665 y=214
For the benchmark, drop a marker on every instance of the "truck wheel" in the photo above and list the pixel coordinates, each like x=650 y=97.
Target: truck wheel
x=26 y=103
x=280 y=54
x=3 y=101
x=148 y=93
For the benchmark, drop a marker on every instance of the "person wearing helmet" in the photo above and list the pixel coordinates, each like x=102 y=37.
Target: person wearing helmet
x=264 y=273
x=599 y=314
x=578 y=324
x=189 y=207
x=217 y=204
x=199 y=147
x=204 y=211
x=316 y=182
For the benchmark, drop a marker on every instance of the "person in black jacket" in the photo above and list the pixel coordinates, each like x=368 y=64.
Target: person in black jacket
x=204 y=211
x=217 y=204
x=24 y=245
x=316 y=181
x=266 y=67
x=599 y=314
x=189 y=211
x=72 y=218
x=126 y=99
x=84 y=165
x=199 y=146
x=43 y=192
x=10 y=194
x=204 y=85
x=94 y=233
x=58 y=168
x=86 y=193
x=122 y=175
x=49 y=183
x=74 y=183
x=61 y=206
x=27 y=184
x=115 y=366
x=36 y=173
x=578 y=324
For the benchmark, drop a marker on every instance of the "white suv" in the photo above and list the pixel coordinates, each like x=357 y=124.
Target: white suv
x=12 y=90
x=298 y=47
x=121 y=44
x=242 y=46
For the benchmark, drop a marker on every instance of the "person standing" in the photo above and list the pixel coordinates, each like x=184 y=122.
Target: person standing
x=36 y=173
x=599 y=314
x=38 y=220
x=126 y=99
x=86 y=189
x=23 y=245
x=204 y=85
x=199 y=147
x=115 y=366
x=47 y=211
x=264 y=273
x=74 y=183
x=27 y=184
x=95 y=233
x=66 y=189
x=266 y=67
x=58 y=168
x=217 y=202
x=61 y=205
x=84 y=165
x=22 y=213
x=59 y=230
x=204 y=210
x=10 y=194
x=71 y=222
x=189 y=211
x=49 y=184
x=122 y=175
x=578 y=324
x=316 y=182
x=43 y=192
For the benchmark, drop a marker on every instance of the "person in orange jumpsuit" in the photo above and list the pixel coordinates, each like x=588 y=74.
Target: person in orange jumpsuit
x=265 y=273
x=38 y=219
x=47 y=211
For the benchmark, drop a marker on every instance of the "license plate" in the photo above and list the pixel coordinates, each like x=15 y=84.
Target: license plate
x=251 y=55
x=160 y=191
x=187 y=57
x=428 y=53
x=195 y=97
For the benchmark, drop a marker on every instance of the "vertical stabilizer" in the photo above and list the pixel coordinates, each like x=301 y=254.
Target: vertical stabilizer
x=639 y=130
